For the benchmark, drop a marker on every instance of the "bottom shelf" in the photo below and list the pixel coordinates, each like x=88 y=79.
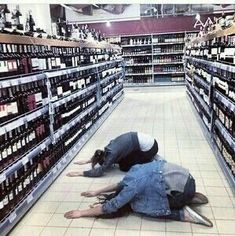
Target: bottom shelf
x=49 y=178
x=209 y=137
x=154 y=84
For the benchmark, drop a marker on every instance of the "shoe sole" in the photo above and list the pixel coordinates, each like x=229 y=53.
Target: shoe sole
x=205 y=219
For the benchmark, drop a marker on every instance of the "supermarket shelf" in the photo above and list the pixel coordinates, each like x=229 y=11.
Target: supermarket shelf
x=168 y=63
x=200 y=100
x=19 y=39
x=26 y=158
x=218 y=65
x=136 y=45
x=167 y=53
x=168 y=72
x=80 y=68
x=227 y=136
x=202 y=82
x=215 y=150
x=75 y=95
x=226 y=101
x=137 y=74
x=111 y=77
x=213 y=34
x=70 y=124
x=23 y=119
x=140 y=64
x=6 y=82
x=153 y=84
x=170 y=43
x=137 y=55
x=42 y=186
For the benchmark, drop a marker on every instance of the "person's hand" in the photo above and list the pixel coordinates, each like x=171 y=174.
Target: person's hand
x=74 y=174
x=80 y=162
x=95 y=205
x=73 y=214
x=89 y=194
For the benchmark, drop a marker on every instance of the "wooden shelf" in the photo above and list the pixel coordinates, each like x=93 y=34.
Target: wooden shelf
x=18 y=39
x=214 y=34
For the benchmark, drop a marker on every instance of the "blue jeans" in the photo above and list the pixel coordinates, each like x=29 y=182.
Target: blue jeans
x=178 y=200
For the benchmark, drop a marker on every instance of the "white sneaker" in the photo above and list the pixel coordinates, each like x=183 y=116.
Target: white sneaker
x=194 y=217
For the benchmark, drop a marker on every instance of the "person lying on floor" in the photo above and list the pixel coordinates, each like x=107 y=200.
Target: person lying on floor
x=157 y=189
x=126 y=150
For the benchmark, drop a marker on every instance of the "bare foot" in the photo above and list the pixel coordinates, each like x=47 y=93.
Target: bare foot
x=74 y=174
x=72 y=214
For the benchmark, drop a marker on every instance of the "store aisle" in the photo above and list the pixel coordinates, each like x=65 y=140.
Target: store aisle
x=166 y=114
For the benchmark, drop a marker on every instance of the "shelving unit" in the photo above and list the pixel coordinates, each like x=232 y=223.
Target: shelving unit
x=37 y=143
x=210 y=85
x=158 y=62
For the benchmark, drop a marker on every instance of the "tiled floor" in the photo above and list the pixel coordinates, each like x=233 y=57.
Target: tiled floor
x=166 y=114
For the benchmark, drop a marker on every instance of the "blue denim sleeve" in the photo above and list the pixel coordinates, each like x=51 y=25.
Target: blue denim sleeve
x=97 y=172
x=124 y=197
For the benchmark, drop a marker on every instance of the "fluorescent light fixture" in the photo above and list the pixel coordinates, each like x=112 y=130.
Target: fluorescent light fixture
x=108 y=24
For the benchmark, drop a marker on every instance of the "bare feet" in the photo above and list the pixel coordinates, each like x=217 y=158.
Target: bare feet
x=80 y=162
x=74 y=174
x=73 y=214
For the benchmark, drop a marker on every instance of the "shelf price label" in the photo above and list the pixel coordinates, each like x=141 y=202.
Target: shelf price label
x=2 y=177
x=29 y=198
x=25 y=160
x=12 y=217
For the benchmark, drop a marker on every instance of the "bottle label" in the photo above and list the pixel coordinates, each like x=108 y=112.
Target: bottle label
x=14 y=147
x=20 y=188
x=11 y=196
x=1 y=204
x=5 y=201
x=9 y=152
x=4 y=153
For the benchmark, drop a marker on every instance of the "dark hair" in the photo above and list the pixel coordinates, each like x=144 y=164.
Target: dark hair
x=124 y=210
x=98 y=157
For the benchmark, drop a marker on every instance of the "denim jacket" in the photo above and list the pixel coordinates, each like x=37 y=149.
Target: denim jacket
x=117 y=149
x=144 y=189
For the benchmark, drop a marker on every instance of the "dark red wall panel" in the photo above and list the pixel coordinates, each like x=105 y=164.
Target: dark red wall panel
x=148 y=25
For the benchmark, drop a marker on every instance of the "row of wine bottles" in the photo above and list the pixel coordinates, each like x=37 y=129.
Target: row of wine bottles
x=168 y=49
x=22 y=98
x=169 y=68
x=139 y=70
x=23 y=180
x=223 y=79
x=218 y=49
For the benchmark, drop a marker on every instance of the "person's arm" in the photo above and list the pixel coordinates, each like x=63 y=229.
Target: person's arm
x=83 y=162
x=95 y=211
x=125 y=196
x=108 y=162
x=109 y=188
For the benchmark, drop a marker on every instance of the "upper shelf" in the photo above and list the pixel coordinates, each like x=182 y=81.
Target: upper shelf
x=214 y=34
x=18 y=39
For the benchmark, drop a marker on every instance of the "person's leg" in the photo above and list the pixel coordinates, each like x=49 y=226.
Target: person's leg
x=177 y=200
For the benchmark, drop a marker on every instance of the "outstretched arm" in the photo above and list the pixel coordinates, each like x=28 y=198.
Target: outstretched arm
x=109 y=188
x=95 y=211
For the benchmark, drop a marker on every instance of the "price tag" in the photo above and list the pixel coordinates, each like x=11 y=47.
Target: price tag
x=29 y=198
x=12 y=216
x=54 y=170
x=43 y=146
x=2 y=177
x=59 y=166
x=25 y=160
